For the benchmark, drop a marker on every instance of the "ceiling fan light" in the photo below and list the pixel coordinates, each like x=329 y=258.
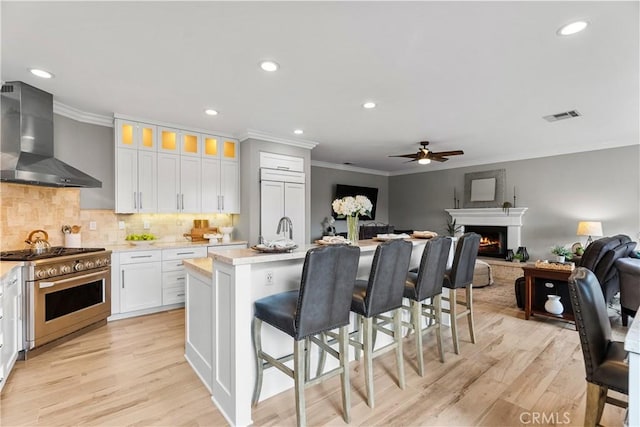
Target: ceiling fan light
x=424 y=161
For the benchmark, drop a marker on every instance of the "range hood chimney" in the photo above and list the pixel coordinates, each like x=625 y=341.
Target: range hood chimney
x=27 y=141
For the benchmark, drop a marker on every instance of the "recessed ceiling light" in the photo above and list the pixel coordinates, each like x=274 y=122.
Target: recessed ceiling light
x=369 y=105
x=298 y=131
x=424 y=161
x=210 y=112
x=269 y=66
x=572 y=28
x=41 y=73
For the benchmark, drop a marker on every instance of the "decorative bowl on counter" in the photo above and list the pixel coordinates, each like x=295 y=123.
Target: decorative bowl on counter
x=143 y=239
x=141 y=242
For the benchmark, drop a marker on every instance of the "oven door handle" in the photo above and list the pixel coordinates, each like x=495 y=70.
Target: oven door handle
x=43 y=285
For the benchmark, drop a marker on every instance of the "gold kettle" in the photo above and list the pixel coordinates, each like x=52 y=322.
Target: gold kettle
x=38 y=244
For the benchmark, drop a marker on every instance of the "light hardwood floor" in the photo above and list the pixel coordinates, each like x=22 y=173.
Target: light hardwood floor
x=132 y=372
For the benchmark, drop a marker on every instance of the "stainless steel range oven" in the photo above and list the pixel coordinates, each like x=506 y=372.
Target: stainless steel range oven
x=67 y=290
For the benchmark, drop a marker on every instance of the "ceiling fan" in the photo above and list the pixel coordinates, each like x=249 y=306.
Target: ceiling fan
x=424 y=155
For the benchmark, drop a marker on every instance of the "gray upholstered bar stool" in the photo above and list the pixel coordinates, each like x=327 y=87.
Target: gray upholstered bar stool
x=461 y=276
x=322 y=303
x=425 y=284
x=372 y=298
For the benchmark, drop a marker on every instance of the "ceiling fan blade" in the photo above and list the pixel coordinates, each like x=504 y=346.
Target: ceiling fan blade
x=447 y=153
x=409 y=156
x=438 y=158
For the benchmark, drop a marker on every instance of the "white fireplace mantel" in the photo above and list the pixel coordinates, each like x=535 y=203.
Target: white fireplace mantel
x=493 y=216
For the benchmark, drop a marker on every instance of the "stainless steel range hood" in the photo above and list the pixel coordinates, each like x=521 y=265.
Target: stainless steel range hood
x=27 y=141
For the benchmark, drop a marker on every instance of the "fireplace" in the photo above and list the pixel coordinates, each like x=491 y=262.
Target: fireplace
x=493 y=240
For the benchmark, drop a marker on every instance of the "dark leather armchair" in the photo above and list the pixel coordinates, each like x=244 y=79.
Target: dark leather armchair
x=604 y=359
x=600 y=257
x=629 y=272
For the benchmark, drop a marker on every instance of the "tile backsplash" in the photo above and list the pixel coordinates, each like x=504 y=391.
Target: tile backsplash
x=24 y=208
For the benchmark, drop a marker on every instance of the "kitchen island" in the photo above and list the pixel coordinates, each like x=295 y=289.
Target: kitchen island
x=219 y=312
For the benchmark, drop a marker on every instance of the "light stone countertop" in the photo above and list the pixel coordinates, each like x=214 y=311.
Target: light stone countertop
x=203 y=266
x=250 y=256
x=632 y=340
x=170 y=245
x=7 y=266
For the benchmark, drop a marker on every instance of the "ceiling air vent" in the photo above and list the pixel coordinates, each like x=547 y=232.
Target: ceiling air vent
x=561 y=116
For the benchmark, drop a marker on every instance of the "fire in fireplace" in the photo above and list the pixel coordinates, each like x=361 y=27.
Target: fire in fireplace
x=493 y=240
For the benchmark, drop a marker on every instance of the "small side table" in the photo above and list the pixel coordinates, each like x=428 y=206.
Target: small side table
x=530 y=274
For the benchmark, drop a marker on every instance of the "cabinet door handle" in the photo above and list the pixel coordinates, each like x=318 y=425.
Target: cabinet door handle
x=135 y=204
x=122 y=280
x=222 y=197
x=140 y=197
x=180 y=295
x=182 y=201
x=177 y=201
x=185 y=253
x=141 y=256
x=179 y=278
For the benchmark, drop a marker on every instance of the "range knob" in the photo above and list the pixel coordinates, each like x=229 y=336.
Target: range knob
x=89 y=264
x=52 y=271
x=78 y=266
x=41 y=274
x=65 y=269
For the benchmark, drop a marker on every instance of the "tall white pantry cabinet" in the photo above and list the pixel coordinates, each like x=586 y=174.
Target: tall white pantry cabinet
x=163 y=169
x=282 y=193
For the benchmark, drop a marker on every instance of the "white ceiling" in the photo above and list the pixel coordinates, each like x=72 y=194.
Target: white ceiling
x=476 y=76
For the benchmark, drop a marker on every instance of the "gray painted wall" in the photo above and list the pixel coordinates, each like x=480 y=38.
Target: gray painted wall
x=88 y=147
x=323 y=190
x=559 y=191
x=248 y=225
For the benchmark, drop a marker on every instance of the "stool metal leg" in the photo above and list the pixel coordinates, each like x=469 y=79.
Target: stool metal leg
x=368 y=358
x=437 y=304
x=322 y=357
x=344 y=378
x=470 y=313
x=416 y=320
x=453 y=316
x=257 y=345
x=397 y=337
x=299 y=370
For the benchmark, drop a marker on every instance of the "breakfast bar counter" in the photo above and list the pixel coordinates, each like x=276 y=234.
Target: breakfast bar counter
x=220 y=292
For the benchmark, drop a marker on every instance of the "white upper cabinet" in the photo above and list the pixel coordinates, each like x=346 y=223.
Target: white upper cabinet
x=171 y=170
x=220 y=175
x=136 y=167
x=281 y=162
x=135 y=135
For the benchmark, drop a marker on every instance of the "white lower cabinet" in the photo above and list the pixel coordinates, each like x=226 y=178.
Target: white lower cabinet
x=148 y=281
x=10 y=322
x=140 y=280
x=173 y=274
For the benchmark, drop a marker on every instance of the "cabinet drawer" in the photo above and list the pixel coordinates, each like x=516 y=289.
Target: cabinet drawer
x=172 y=265
x=183 y=253
x=173 y=295
x=140 y=256
x=173 y=278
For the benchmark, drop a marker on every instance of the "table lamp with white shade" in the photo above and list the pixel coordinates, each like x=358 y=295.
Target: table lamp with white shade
x=589 y=228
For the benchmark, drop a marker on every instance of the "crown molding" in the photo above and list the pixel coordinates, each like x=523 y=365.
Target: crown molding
x=348 y=168
x=81 y=116
x=254 y=134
